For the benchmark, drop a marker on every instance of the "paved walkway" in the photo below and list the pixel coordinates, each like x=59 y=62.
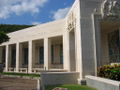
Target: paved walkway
x=17 y=84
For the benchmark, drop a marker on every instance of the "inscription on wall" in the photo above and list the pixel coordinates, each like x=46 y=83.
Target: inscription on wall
x=71 y=22
x=111 y=9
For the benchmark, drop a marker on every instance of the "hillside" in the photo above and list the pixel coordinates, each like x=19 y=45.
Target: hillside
x=11 y=28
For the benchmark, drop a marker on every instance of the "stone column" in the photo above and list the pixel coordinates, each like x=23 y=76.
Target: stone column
x=97 y=37
x=97 y=40
x=34 y=55
x=0 y=54
x=7 y=56
x=47 y=53
x=66 y=60
x=17 y=57
x=30 y=56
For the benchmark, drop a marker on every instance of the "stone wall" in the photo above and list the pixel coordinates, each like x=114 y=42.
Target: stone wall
x=55 y=78
x=102 y=83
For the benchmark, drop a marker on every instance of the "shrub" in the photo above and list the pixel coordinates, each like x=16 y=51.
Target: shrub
x=110 y=71
x=21 y=74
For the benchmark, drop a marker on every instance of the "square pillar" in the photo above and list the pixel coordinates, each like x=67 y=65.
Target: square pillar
x=20 y=55
x=7 y=56
x=0 y=54
x=17 y=57
x=47 y=53
x=30 y=56
x=66 y=58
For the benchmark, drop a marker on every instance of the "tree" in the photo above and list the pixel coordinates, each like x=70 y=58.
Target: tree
x=3 y=37
x=11 y=28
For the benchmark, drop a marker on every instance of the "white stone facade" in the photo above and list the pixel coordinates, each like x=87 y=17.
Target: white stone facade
x=82 y=36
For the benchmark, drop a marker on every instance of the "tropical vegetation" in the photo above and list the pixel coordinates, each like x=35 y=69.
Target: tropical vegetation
x=5 y=28
x=3 y=37
x=110 y=71
x=11 y=28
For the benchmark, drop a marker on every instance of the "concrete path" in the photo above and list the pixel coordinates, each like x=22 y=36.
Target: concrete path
x=7 y=83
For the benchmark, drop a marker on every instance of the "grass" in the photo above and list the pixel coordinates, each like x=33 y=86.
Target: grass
x=21 y=74
x=70 y=87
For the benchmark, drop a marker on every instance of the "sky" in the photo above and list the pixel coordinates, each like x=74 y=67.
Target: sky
x=33 y=12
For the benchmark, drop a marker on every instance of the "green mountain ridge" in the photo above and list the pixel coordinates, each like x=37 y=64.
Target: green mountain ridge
x=8 y=28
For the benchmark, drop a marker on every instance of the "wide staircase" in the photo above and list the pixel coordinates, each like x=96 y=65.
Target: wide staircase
x=11 y=83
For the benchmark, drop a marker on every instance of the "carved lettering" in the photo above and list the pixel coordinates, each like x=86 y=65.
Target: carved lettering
x=111 y=9
x=71 y=22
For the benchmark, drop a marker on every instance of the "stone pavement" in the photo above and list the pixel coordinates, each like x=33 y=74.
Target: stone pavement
x=7 y=83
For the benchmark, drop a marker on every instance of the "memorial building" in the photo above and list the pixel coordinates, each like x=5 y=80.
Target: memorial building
x=88 y=37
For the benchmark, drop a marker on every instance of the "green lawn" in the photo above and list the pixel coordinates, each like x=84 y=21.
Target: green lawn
x=21 y=74
x=70 y=87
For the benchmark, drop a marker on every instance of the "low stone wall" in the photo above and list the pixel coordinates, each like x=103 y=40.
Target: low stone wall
x=102 y=83
x=54 y=78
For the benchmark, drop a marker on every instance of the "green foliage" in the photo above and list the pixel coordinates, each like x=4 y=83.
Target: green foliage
x=3 y=37
x=11 y=28
x=70 y=87
x=5 y=28
x=21 y=74
x=110 y=71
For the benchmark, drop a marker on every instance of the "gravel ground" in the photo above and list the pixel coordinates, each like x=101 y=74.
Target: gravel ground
x=7 y=83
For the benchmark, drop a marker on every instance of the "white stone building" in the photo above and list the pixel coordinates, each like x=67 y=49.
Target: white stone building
x=86 y=38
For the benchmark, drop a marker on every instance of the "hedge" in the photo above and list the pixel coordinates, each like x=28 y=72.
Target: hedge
x=109 y=71
x=21 y=74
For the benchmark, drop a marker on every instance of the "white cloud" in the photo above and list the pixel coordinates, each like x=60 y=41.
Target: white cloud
x=7 y=7
x=60 y=13
x=36 y=23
